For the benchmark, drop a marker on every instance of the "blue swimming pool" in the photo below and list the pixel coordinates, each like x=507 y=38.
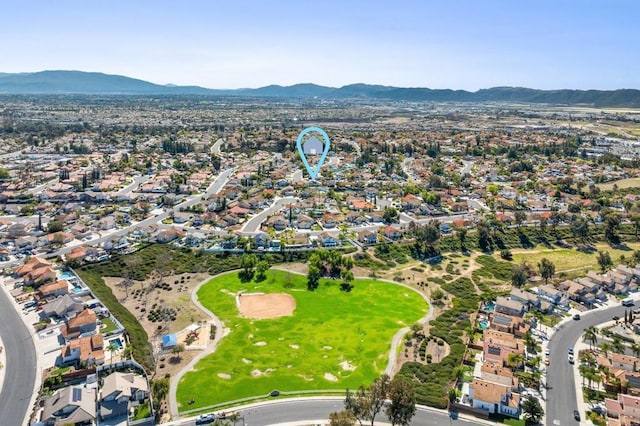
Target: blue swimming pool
x=484 y=324
x=117 y=343
x=66 y=276
x=491 y=306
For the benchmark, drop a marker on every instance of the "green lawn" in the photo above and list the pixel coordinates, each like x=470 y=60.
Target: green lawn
x=570 y=259
x=110 y=326
x=328 y=327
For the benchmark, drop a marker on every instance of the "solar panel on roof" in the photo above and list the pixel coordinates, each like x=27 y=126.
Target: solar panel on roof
x=77 y=394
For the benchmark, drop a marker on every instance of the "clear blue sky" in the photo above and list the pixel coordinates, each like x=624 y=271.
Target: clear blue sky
x=546 y=44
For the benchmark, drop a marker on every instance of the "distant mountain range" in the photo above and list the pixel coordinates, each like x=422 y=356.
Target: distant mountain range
x=79 y=82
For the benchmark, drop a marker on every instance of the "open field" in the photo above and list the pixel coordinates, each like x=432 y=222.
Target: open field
x=622 y=184
x=570 y=259
x=333 y=340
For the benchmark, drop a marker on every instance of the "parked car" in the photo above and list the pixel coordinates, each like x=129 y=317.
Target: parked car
x=571 y=360
x=204 y=419
x=576 y=317
x=576 y=415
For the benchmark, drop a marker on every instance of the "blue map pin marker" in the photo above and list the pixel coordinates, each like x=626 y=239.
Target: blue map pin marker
x=312 y=145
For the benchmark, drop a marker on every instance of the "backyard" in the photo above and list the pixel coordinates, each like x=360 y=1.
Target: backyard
x=333 y=340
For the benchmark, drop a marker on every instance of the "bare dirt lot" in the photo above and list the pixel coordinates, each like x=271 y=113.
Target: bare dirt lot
x=263 y=306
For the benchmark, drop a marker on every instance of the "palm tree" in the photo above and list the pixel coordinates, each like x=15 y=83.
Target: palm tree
x=635 y=348
x=591 y=336
x=605 y=347
x=617 y=346
x=514 y=360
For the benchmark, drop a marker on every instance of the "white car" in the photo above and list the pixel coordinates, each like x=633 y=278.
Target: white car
x=571 y=360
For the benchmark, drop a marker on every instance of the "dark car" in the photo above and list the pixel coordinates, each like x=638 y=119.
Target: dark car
x=576 y=415
x=576 y=317
x=205 y=419
x=616 y=318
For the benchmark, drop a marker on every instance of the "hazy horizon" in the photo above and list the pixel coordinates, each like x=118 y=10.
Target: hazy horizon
x=248 y=44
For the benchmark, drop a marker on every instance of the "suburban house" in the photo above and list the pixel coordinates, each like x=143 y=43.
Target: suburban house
x=504 y=305
x=498 y=345
x=368 y=237
x=510 y=324
x=83 y=324
x=626 y=409
x=170 y=235
x=62 y=307
x=53 y=289
x=528 y=299
x=327 y=240
x=85 y=351
x=494 y=398
x=278 y=222
x=391 y=233
x=120 y=392
x=550 y=294
x=71 y=405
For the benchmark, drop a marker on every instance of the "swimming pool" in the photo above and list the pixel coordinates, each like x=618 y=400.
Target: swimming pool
x=491 y=306
x=484 y=324
x=117 y=343
x=66 y=276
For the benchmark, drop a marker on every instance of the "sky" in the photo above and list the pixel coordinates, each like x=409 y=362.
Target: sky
x=454 y=44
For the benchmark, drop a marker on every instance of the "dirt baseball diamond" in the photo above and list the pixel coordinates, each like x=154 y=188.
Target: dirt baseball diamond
x=264 y=306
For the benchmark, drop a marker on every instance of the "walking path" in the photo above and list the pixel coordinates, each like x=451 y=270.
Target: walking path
x=3 y=363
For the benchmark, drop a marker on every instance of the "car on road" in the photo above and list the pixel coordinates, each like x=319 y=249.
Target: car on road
x=576 y=415
x=547 y=352
x=570 y=350
x=204 y=419
x=576 y=317
x=571 y=360
x=616 y=318
x=547 y=361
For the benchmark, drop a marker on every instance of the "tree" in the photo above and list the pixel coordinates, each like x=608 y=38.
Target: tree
x=604 y=260
x=313 y=277
x=617 y=346
x=635 y=219
x=54 y=226
x=484 y=241
x=261 y=268
x=177 y=350
x=403 y=401
x=532 y=410
x=4 y=174
x=112 y=348
x=514 y=360
x=519 y=275
x=605 y=347
x=591 y=336
x=390 y=215
x=376 y=397
x=612 y=223
x=519 y=216
x=342 y=418
x=247 y=263
x=354 y=404
x=462 y=236
x=580 y=228
x=547 y=269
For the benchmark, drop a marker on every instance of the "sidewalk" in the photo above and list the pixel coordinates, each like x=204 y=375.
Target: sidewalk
x=3 y=363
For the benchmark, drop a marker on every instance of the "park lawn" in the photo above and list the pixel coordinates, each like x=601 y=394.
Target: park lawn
x=621 y=184
x=328 y=327
x=571 y=259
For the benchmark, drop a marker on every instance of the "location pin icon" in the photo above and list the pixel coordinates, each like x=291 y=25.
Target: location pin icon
x=311 y=149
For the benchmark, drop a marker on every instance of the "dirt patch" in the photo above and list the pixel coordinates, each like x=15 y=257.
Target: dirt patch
x=265 y=306
x=347 y=366
x=246 y=361
x=172 y=292
x=224 y=376
x=257 y=372
x=330 y=377
x=294 y=346
x=260 y=344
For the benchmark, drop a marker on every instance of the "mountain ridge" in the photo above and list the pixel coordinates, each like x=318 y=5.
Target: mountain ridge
x=82 y=82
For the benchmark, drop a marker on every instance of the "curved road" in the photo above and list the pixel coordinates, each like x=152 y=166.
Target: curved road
x=314 y=409
x=561 y=398
x=20 y=371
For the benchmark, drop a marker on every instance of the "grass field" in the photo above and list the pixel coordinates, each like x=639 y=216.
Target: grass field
x=570 y=259
x=622 y=184
x=328 y=327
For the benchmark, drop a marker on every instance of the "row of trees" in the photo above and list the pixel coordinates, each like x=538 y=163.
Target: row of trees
x=366 y=403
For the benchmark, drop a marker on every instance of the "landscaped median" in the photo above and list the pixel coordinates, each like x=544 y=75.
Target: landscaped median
x=332 y=341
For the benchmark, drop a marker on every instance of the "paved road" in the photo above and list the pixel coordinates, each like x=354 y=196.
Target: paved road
x=561 y=399
x=319 y=409
x=215 y=149
x=253 y=225
x=137 y=181
x=20 y=371
x=466 y=167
